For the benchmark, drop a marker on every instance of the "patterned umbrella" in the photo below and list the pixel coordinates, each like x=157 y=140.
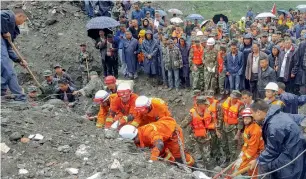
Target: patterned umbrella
x=100 y=23
x=176 y=20
x=175 y=11
x=161 y=12
x=195 y=17
x=265 y=15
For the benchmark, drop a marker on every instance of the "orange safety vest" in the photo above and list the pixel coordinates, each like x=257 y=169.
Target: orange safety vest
x=200 y=124
x=197 y=58
x=213 y=109
x=230 y=112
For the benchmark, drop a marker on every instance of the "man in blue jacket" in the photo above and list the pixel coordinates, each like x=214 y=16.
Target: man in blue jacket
x=233 y=66
x=9 y=31
x=292 y=101
x=283 y=143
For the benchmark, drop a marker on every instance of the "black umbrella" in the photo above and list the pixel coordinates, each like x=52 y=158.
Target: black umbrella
x=216 y=18
x=100 y=23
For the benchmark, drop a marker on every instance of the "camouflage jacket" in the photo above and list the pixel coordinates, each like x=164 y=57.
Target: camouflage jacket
x=49 y=88
x=82 y=61
x=92 y=87
x=173 y=58
x=210 y=60
x=228 y=128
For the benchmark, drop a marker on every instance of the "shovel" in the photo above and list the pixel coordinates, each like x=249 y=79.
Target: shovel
x=26 y=67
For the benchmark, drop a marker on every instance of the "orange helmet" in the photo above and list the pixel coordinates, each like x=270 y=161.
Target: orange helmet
x=109 y=80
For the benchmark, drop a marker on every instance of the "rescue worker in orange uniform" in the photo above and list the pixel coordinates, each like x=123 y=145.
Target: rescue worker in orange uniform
x=110 y=82
x=232 y=124
x=253 y=142
x=159 y=136
x=149 y=110
x=103 y=98
x=196 y=56
x=271 y=93
x=123 y=105
x=203 y=127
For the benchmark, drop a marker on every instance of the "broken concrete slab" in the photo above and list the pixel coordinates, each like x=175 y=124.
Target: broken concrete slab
x=72 y=171
x=4 y=148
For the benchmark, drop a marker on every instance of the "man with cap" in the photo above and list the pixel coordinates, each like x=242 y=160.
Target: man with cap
x=85 y=63
x=149 y=9
x=50 y=84
x=232 y=125
x=203 y=125
x=32 y=93
x=204 y=42
x=210 y=65
x=265 y=45
x=60 y=74
x=173 y=63
x=89 y=92
x=196 y=65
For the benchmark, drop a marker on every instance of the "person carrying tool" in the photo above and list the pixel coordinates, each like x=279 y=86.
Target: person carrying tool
x=253 y=143
x=85 y=60
x=160 y=136
x=103 y=98
x=123 y=106
x=149 y=110
x=110 y=82
x=203 y=128
x=9 y=31
x=271 y=93
x=232 y=124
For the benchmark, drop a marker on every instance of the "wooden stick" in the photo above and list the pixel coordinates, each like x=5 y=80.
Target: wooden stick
x=182 y=151
x=22 y=59
x=224 y=170
x=88 y=76
x=241 y=171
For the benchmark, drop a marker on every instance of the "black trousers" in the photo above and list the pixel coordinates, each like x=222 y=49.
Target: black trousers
x=112 y=66
x=291 y=87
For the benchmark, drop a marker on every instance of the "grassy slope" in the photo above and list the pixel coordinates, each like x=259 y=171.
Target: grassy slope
x=233 y=9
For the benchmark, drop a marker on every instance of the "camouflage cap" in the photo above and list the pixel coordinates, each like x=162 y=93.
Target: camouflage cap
x=209 y=93
x=204 y=40
x=32 y=89
x=196 y=92
x=197 y=40
x=47 y=73
x=93 y=73
x=202 y=100
x=236 y=94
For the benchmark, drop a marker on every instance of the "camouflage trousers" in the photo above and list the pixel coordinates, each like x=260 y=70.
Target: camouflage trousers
x=221 y=82
x=198 y=78
x=210 y=80
x=92 y=108
x=229 y=145
x=84 y=77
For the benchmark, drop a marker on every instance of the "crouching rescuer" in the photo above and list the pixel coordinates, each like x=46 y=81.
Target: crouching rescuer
x=163 y=137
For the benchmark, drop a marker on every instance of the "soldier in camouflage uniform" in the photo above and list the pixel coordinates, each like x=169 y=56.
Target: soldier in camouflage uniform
x=32 y=92
x=232 y=124
x=49 y=85
x=210 y=65
x=85 y=61
x=201 y=122
x=95 y=84
x=196 y=65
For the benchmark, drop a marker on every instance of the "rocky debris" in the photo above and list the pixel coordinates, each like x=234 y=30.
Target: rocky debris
x=50 y=21
x=200 y=175
x=24 y=140
x=82 y=151
x=23 y=171
x=64 y=148
x=96 y=176
x=4 y=148
x=15 y=136
x=115 y=165
x=110 y=134
x=36 y=137
x=72 y=171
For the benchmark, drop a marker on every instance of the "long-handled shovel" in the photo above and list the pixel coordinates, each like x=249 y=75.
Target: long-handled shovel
x=224 y=170
x=26 y=67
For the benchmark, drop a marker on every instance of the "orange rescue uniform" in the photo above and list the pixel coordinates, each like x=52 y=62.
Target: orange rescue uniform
x=159 y=109
x=198 y=53
x=104 y=117
x=165 y=130
x=253 y=145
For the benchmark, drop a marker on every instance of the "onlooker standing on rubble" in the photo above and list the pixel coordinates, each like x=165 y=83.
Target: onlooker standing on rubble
x=101 y=44
x=85 y=63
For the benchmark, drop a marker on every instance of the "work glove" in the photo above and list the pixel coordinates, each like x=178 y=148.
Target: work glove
x=123 y=120
x=154 y=154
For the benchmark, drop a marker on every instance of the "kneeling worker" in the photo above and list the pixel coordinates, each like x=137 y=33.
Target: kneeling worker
x=104 y=99
x=160 y=136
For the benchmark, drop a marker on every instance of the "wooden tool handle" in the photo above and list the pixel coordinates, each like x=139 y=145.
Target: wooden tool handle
x=242 y=171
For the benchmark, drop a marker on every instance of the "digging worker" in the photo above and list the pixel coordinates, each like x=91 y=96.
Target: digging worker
x=110 y=82
x=104 y=119
x=123 y=106
x=149 y=110
x=271 y=93
x=160 y=136
x=9 y=31
x=232 y=125
x=283 y=140
x=253 y=143
x=203 y=127
x=196 y=65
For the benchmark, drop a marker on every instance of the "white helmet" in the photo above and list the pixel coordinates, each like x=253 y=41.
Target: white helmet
x=211 y=41
x=272 y=86
x=101 y=95
x=199 y=33
x=128 y=132
x=124 y=87
x=142 y=101
x=243 y=18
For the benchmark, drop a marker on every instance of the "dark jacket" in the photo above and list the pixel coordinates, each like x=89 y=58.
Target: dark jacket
x=8 y=24
x=60 y=94
x=248 y=69
x=301 y=74
x=292 y=102
x=273 y=60
x=234 y=66
x=67 y=77
x=264 y=77
x=246 y=50
x=283 y=142
x=292 y=64
x=135 y=32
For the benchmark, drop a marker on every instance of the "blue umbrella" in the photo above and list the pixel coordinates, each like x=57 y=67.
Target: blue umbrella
x=195 y=17
x=283 y=12
x=100 y=23
x=161 y=12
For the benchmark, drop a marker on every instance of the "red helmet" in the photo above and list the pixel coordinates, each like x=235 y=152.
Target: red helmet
x=109 y=80
x=246 y=112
